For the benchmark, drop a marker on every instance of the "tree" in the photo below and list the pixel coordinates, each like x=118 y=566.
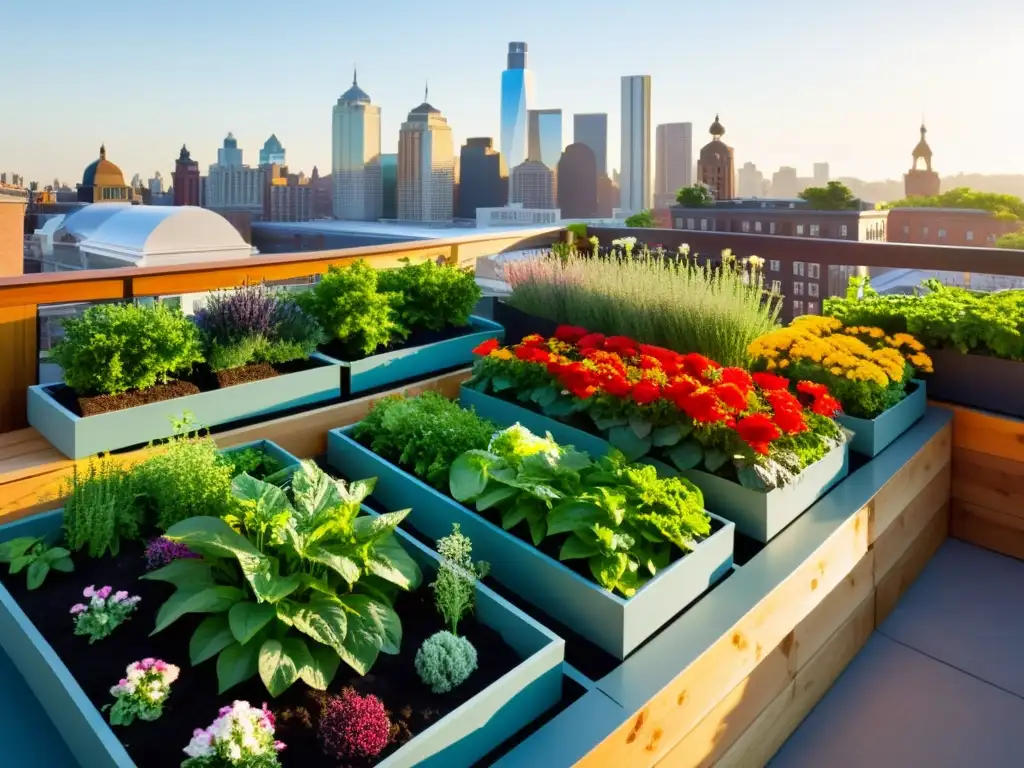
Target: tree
x=642 y=220
x=695 y=196
x=1006 y=207
x=1013 y=240
x=834 y=196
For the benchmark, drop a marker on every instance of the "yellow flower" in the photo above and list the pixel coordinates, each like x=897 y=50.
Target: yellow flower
x=922 y=362
x=501 y=354
x=783 y=363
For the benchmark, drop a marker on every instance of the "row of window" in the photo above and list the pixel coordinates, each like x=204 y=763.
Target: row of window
x=798 y=308
x=812 y=289
x=990 y=238
x=812 y=230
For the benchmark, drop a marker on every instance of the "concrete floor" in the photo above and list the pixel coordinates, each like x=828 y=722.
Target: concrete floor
x=939 y=685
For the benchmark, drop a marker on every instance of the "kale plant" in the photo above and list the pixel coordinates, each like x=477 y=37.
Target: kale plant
x=431 y=296
x=101 y=508
x=455 y=586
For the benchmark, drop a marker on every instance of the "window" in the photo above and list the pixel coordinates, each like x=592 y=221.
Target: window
x=990 y=238
x=970 y=235
x=689 y=223
x=906 y=229
x=812 y=289
x=815 y=230
x=814 y=270
x=798 y=289
x=798 y=307
x=942 y=234
x=774 y=265
x=812 y=307
x=799 y=229
x=745 y=226
x=798 y=268
x=757 y=226
x=924 y=231
x=704 y=225
x=771 y=228
x=844 y=231
x=679 y=223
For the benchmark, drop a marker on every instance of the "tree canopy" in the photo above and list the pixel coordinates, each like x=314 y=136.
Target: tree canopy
x=1012 y=240
x=834 y=196
x=643 y=220
x=1008 y=207
x=695 y=196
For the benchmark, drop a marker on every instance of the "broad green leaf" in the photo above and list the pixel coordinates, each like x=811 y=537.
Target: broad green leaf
x=212 y=536
x=18 y=564
x=211 y=637
x=663 y=437
x=535 y=518
x=266 y=581
x=499 y=383
x=356 y=491
x=324 y=619
x=197 y=599
x=371 y=528
x=608 y=569
x=608 y=423
x=626 y=440
x=575 y=461
x=575 y=548
x=322 y=668
x=236 y=664
x=280 y=661
x=342 y=565
x=573 y=515
x=388 y=560
x=268 y=498
x=544 y=396
x=392 y=624
x=17 y=547
x=686 y=455
x=512 y=517
x=53 y=554
x=314 y=492
x=641 y=427
x=248 y=618
x=468 y=475
x=715 y=459
x=37 y=572
x=559 y=408
x=365 y=635
x=184 y=572
x=64 y=565
x=495 y=496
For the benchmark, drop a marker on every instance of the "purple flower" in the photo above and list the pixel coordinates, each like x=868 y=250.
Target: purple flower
x=78 y=608
x=119 y=596
x=89 y=591
x=161 y=551
x=104 y=593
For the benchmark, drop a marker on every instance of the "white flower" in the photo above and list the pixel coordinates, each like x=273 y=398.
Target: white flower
x=234 y=752
x=200 y=746
x=170 y=673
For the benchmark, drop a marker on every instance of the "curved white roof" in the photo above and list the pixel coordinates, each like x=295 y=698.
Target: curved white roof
x=82 y=222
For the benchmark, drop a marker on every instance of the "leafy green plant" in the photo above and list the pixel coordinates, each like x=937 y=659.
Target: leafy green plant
x=113 y=348
x=251 y=461
x=622 y=518
x=423 y=434
x=351 y=309
x=429 y=295
x=455 y=586
x=34 y=554
x=295 y=582
x=695 y=196
x=101 y=508
x=445 y=661
x=643 y=220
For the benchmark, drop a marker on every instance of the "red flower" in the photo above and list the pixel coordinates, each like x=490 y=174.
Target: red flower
x=532 y=354
x=737 y=376
x=533 y=340
x=616 y=386
x=570 y=333
x=783 y=400
x=758 y=431
x=826 y=405
x=731 y=395
x=812 y=389
x=591 y=341
x=679 y=390
x=486 y=347
x=659 y=353
x=769 y=381
x=703 y=406
x=697 y=365
x=622 y=345
x=649 y=363
x=645 y=392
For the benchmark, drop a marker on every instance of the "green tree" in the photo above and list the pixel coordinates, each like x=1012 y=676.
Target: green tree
x=642 y=220
x=1006 y=207
x=834 y=196
x=1013 y=240
x=695 y=196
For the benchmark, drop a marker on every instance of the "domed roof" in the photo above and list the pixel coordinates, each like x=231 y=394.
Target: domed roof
x=425 y=108
x=355 y=93
x=717 y=129
x=102 y=172
x=922 y=149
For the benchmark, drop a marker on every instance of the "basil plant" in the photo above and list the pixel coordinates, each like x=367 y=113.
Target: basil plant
x=295 y=581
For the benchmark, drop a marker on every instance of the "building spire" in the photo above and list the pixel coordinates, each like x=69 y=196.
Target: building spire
x=426 y=91
x=355 y=80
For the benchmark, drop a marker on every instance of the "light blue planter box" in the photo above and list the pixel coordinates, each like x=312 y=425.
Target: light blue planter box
x=80 y=436
x=284 y=458
x=458 y=740
x=872 y=436
x=402 y=364
x=615 y=624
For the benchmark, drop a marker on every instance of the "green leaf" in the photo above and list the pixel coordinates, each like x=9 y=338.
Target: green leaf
x=467 y=477
x=641 y=427
x=575 y=548
x=559 y=408
x=495 y=496
x=19 y=563
x=248 y=618
x=279 y=662
x=211 y=637
x=268 y=499
x=715 y=459
x=184 y=572
x=236 y=664
x=53 y=554
x=389 y=560
x=750 y=478
x=213 y=537
x=342 y=565
x=500 y=383
x=197 y=599
x=392 y=644
x=510 y=518
x=37 y=573
x=663 y=437
x=686 y=455
x=322 y=668
x=607 y=570
x=608 y=423
x=365 y=636
x=575 y=515
x=64 y=565
x=324 y=619
x=266 y=581
x=544 y=396
x=626 y=440
x=535 y=518
x=17 y=547
x=371 y=528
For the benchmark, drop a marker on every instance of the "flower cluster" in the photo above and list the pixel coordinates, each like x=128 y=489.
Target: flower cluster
x=161 y=551
x=242 y=735
x=105 y=611
x=142 y=691
x=867 y=370
x=354 y=726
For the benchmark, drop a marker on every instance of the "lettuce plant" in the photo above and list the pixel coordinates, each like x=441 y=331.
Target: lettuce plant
x=430 y=295
x=294 y=582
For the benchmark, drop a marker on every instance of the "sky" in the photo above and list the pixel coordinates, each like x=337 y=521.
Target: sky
x=795 y=81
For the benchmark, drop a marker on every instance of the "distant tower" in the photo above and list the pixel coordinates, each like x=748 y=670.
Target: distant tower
x=516 y=101
x=673 y=163
x=716 y=166
x=592 y=129
x=577 y=182
x=635 y=158
x=483 y=178
x=426 y=166
x=186 y=179
x=356 y=172
x=918 y=182
x=272 y=152
x=229 y=156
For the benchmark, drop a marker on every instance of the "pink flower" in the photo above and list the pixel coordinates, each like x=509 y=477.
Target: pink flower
x=89 y=591
x=78 y=608
x=104 y=593
x=279 y=746
x=119 y=596
x=148 y=662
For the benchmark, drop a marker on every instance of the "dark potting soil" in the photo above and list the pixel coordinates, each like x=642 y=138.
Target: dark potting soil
x=194 y=700
x=201 y=380
x=418 y=338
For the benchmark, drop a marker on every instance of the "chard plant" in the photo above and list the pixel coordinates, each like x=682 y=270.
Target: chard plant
x=294 y=582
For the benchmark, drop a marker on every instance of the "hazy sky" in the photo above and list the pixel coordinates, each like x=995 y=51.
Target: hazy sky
x=795 y=81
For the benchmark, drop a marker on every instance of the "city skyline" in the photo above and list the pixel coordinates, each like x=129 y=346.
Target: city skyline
x=829 y=114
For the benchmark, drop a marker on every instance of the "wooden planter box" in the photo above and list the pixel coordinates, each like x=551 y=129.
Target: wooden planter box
x=616 y=624
x=377 y=371
x=518 y=324
x=756 y=514
x=872 y=436
x=80 y=436
x=977 y=381
x=459 y=739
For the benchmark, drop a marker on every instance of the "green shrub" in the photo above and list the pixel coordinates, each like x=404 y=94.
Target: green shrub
x=101 y=508
x=455 y=586
x=346 y=302
x=251 y=461
x=431 y=296
x=113 y=348
x=445 y=661
x=424 y=434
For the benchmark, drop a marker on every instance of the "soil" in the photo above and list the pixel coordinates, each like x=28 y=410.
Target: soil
x=419 y=338
x=201 y=380
x=194 y=700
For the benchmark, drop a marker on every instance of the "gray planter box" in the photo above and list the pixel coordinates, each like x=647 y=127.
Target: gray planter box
x=872 y=436
x=977 y=381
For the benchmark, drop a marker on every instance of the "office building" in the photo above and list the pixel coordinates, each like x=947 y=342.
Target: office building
x=515 y=215
x=272 y=152
x=635 y=162
x=716 y=166
x=821 y=174
x=187 y=185
x=532 y=186
x=231 y=185
x=673 y=161
x=592 y=130
x=289 y=195
x=389 y=185
x=517 y=95
x=356 y=170
x=545 y=136
x=785 y=183
x=156 y=184
x=752 y=182
x=426 y=166
x=323 y=194
x=483 y=178
x=229 y=155
x=577 y=182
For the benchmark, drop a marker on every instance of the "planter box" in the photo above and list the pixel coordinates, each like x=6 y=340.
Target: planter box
x=977 y=381
x=518 y=324
x=80 y=436
x=615 y=624
x=389 y=368
x=270 y=448
x=459 y=739
x=757 y=515
x=872 y=436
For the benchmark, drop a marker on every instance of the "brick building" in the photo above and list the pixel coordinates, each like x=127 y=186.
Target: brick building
x=12 y=230
x=947 y=226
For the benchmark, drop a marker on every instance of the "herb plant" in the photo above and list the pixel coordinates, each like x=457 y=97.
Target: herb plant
x=33 y=554
x=424 y=434
x=431 y=296
x=295 y=582
x=445 y=661
x=101 y=508
x=113 y=348
x=251 y=461
x=455 y=586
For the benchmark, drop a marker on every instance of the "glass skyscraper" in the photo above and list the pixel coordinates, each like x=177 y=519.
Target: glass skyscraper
x=545 y=136
x=516 y=98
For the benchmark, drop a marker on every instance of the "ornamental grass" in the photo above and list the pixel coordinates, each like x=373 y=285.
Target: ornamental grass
x=667 y=299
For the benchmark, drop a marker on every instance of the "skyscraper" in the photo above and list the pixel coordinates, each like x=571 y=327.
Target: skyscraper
x=635 y=172
x=532 y=185
x=229 y=156
x=592 y=130
x=516 y=99
x=186 y=179
x=545 y=136
x=272 y=152
x=577 y=182
x=821 y=174
x=356 y=170
x=483 y=178
x=673 y=153
x=426 y=166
